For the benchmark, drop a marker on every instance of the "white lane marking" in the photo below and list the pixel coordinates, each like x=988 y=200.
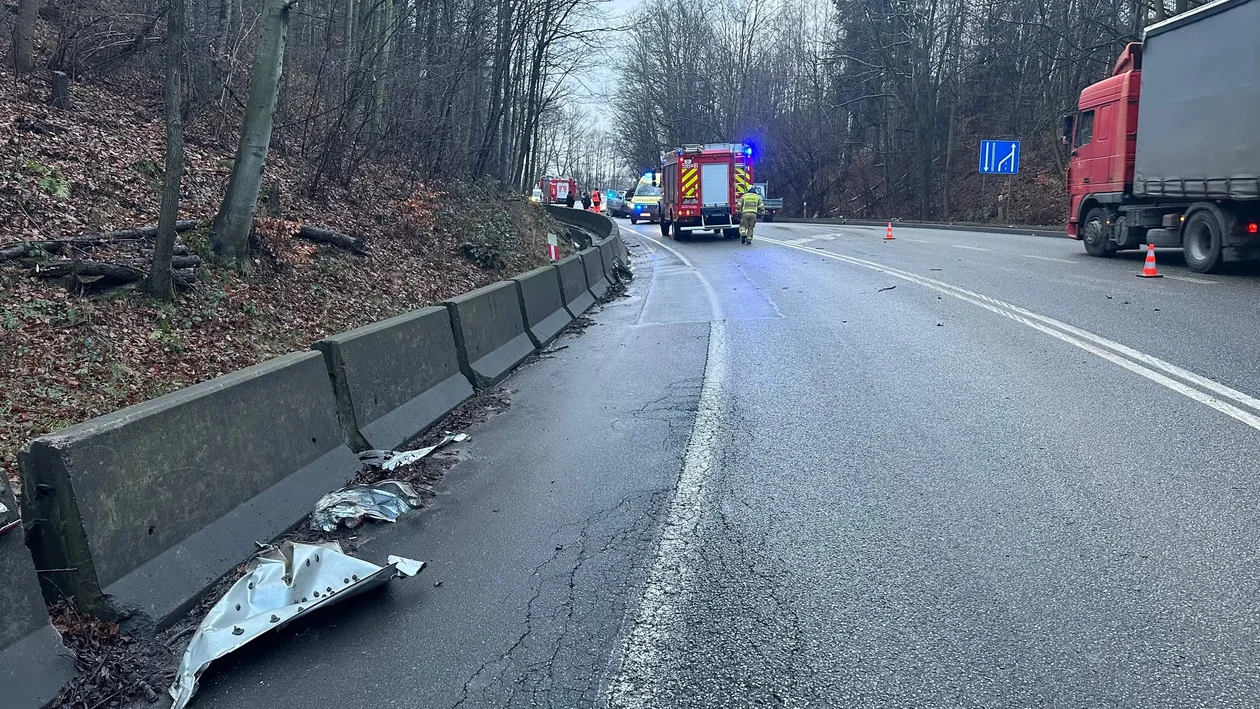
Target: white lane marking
x=1188 y=279
x=669 y=578
x=715 y=305
x=1047 y=258
x=1139 y=363
x=913 y=241
x=972 y=248
x=806 y=240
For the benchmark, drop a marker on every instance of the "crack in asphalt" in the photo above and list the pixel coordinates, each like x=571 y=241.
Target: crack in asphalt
x=576 y=607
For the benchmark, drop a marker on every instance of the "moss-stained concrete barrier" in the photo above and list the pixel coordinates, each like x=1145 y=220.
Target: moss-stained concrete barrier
x=608 y=254
x=573 y=287
x=490 y=332
x=396 y=377
x=596 y=274
x=143 y=509
x=542 y=304
x=33 y=662
x=592 y=226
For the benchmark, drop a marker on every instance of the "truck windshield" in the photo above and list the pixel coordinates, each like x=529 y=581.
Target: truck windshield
x=647 y=191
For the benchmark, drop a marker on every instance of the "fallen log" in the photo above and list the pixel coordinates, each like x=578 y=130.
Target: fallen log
x=52 y=246
x=100 y=274
x=333 y=238
x=97 y=273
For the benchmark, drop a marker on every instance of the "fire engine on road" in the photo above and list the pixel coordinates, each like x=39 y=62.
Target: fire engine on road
x=701 y=186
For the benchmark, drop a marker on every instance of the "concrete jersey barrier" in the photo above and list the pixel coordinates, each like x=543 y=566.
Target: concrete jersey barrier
x=597 y=225
x=394 y=378
x=489 y=332
x=147 y=507
x=573 y=287
x=596 y=278
x=33 y=662
x=608 y=254
x=542 y=304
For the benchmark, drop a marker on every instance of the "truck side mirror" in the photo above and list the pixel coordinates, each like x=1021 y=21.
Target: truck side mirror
x=1069 y=123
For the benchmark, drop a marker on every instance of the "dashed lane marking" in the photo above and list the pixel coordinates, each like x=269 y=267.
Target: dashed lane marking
x=1188 y=279
x=970 y=248
x=1047 y=258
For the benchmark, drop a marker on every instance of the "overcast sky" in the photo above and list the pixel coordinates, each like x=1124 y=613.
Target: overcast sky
x=594 y=89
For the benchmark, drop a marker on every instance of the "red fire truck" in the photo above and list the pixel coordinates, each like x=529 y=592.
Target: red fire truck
x=700 y=188
x=555 y=190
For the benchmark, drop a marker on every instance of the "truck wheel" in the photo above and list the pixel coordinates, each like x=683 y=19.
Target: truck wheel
x=1096 y=233
x=675 y=232
x=633 y=221
x=769 y=217
x=664 y=228
x=1201 y=238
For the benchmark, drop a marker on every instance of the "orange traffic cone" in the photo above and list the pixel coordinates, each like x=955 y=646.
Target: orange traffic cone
x=889 y=236
x=1148 y=270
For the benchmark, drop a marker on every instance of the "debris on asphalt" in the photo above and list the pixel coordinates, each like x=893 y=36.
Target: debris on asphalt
x=881 y=290
x=392 y=460
x=280 y=585
x=115 y=668
x=386 y=501
x=934 y=269
x=622 y=271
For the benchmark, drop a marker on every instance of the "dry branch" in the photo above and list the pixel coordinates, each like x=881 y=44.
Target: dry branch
x=328 y=236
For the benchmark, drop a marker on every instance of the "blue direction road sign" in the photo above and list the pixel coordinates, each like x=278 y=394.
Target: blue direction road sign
x=999 y=157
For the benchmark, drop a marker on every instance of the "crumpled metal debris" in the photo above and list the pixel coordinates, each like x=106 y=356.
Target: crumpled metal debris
x=391 y=460
x=7 y=525
x=386 y=501
x=282 y=584
x=623 y=271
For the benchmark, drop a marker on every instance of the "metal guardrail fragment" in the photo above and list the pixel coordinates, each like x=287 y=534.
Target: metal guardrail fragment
x=283 y=583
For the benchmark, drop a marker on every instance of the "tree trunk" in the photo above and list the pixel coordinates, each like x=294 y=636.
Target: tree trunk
x=24 y=36
x=160 y=285
x=230 y=238
x=60 y=90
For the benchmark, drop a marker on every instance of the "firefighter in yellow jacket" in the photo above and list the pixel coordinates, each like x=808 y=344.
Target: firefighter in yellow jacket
x=749 y=207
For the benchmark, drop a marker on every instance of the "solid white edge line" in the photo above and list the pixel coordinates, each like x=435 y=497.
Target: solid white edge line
x=669 y=576
x=1067 y=332
x=715 y=305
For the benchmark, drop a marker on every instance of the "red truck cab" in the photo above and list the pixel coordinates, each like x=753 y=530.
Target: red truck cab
x=1105 y=138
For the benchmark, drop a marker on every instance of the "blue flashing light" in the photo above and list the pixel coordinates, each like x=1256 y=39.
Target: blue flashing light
x=748 y=150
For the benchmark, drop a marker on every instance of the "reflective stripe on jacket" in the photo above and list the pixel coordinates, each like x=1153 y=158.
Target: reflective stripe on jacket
x=750 y=203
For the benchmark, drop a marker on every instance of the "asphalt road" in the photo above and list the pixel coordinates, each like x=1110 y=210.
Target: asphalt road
x=951 y=470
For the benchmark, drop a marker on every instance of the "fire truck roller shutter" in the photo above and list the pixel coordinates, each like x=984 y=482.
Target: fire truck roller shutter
x=715 y=181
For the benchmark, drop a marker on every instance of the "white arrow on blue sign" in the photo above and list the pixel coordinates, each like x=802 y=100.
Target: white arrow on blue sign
x=999 y=157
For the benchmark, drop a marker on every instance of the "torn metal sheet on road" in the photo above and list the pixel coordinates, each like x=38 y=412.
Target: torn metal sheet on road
x=282 y=584
x=386 y=501
x=391 y=460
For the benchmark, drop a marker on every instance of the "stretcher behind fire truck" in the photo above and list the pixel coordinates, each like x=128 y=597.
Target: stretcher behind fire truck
x=701 y=185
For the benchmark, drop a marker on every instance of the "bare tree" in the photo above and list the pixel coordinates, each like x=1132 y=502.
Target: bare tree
x=24 y=36
x=232 y=225
x=160 y=284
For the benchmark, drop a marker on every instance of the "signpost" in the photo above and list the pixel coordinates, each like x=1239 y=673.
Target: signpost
x=553 y=247
x=1000 y=157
